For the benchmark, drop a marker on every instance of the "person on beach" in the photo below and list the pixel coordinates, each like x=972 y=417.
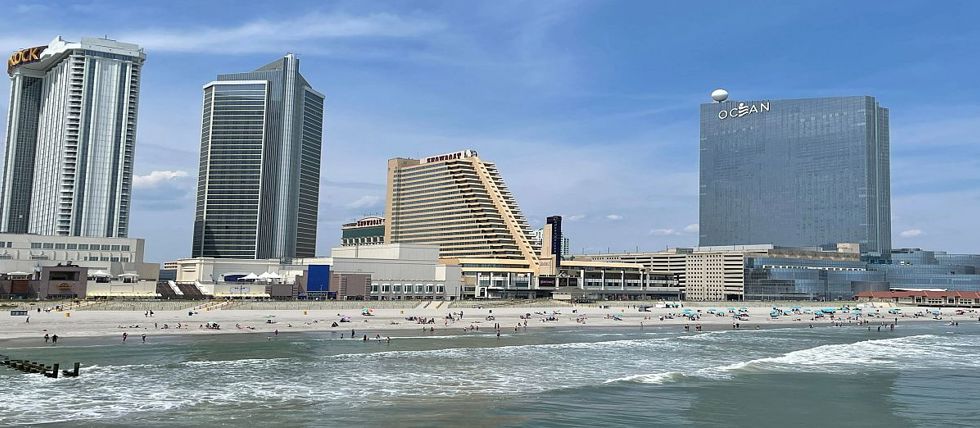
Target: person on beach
x=144 y=338
x=365 y=338
x=46 y=338
x=276 y=332
x=125 y=336
x=54 y=339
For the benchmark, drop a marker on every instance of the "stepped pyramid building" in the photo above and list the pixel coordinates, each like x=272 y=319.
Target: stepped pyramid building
x=459 y=202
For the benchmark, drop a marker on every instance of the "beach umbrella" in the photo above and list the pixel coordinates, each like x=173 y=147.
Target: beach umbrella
x=250 y=276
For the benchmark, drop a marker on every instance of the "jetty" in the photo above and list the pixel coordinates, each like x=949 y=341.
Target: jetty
x=28 y=366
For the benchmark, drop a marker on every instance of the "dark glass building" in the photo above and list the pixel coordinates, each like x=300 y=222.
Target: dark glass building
x=258 y=185
x=796 y=173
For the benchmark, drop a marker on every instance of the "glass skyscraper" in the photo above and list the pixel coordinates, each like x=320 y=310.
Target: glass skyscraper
x=259 y=180
x=71 y=132
x=796 y=173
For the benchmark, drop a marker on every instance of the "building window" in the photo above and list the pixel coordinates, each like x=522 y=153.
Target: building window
x=103 y=259
x=125 y=247
x=82 y=246
x=104 y=247
x=114 y=248
x=35 y=245
x=72 y=246
x=125 y=259
x=59 y=246
x=47 y=245
x=113 y=259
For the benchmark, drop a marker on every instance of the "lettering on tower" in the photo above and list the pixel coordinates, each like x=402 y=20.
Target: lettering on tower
x=24 y=56
x=743 y=109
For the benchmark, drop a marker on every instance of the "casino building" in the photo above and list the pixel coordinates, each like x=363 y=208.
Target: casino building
x=796 y=173
x=71 y=132
x=459 y=202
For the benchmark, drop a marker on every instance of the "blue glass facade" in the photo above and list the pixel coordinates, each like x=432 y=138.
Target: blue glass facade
x=912 y=268
x=796 y=173
x=782 y=278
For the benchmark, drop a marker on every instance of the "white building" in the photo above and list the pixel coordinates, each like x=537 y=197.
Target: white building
x=401 y=271
x=113 y=256
x=398 y=272
x=71 y=132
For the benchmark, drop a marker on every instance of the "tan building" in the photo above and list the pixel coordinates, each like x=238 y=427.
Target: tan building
x=715 y=275
x=459 y=202
x=672 y=261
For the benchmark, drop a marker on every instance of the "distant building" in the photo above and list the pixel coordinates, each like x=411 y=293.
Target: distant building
x=537 y=237
x=672 y=261
x=960 y=299
x=459 y=202
x=258 y=186
x=71 y=133
x=366 y=231
x=796 y=173
x=767 y=272
x=113 y=256
x=914 y=268
x=392 y=271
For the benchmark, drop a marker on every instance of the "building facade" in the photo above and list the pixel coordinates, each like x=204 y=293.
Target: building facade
x=917 y=269
x=258 y=184
x=366 y=231
x=458 y=202
x=114 y=256
x=71 y=134
x=796 y=173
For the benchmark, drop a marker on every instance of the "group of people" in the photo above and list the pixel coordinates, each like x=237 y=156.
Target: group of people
x=126 y=336
x=53 y=339
x=421 y=320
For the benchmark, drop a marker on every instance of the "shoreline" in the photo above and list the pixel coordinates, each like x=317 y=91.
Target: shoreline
x=392 y=322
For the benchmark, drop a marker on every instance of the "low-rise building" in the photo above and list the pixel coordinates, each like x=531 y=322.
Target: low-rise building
x=953 y=298
x=396 y=272
x=114 y=256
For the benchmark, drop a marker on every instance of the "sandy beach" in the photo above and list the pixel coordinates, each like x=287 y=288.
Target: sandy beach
x=269 y=317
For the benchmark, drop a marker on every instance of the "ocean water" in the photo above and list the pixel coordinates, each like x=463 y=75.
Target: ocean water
x=919 y=375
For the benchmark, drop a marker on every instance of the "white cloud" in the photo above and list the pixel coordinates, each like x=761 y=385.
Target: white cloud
x=692 y=228
x=366 y=201
x=264 y=36
x=575 y=217
x=614 y=217
x=664 y=232
x=911 y=233
x=155 y=178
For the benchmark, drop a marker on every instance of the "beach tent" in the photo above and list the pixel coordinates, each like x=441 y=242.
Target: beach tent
x=100 y=274
x=250 y=277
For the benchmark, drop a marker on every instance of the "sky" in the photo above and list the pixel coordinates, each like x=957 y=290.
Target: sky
x=589 y=109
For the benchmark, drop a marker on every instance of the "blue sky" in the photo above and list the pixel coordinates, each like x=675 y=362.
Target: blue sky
x=589 y=109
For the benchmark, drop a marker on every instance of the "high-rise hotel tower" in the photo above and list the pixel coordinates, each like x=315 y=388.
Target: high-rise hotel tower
x=796 y=173
x=71 y=130
x=459 y=202
x=259 y=180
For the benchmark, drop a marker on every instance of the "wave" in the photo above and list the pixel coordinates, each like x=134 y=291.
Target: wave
x=653 y=378
x=845 y=358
